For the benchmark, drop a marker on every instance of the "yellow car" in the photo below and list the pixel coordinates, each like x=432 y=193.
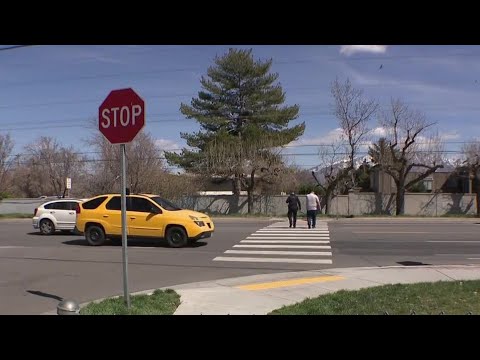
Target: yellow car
x=148 y=216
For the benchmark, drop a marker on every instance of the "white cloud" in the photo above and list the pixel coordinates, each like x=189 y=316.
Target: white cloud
x=167 y=145
x=379 y=132
x=450 y=136
x=422 y=88
x=352 y=49
x=331 y=137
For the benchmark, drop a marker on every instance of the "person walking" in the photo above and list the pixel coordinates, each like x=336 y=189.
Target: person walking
x=293 y=207
x=313 y=205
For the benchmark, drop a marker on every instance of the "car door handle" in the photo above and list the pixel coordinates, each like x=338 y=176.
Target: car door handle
x=52 y=212
x=72 y=213
x=132 y=217
x=105 y=216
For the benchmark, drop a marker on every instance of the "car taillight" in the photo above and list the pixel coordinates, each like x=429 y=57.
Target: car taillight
x=78 y=209
x=35 y=211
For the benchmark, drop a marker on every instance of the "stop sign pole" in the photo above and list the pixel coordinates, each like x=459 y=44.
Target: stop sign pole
x=121 y=116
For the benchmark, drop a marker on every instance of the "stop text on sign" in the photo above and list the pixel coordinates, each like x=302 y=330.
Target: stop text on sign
x=123 y=116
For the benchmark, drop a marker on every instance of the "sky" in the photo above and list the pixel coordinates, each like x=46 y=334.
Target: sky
x=56 y=90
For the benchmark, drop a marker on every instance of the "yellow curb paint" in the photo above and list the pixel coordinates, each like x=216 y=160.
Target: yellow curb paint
x=291 y=282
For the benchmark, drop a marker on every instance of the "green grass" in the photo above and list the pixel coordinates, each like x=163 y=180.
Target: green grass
x=451 y=297
x=159 y=303
x=15 y=216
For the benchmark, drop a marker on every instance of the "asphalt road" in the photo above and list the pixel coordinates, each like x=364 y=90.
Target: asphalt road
x=37 y=271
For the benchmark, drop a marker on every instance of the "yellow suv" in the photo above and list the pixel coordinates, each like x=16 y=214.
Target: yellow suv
x=148 y=216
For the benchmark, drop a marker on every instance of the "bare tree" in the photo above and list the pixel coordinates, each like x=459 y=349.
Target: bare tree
x=332 y=171
x=145 y=165
x=6 y=147
x=254 y=160
x=353 y=112
x=403 y=127
x=44 y=168
x=471 y=153
x=177 y=187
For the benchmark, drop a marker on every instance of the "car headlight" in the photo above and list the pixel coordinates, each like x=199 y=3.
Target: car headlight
x=197 y=221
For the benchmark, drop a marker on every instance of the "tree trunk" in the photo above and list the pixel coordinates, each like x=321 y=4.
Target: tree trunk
x=400 y=200
x=250 y=192
x=250 y=201
x=237 y=185
x=477 y=192
x=328 y=203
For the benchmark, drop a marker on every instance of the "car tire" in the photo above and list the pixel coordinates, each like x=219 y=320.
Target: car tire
x=176 y=237
x=95 y=235
x=47 y=227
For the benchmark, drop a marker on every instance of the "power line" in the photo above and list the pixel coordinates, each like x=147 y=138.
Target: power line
x=291 y=146
x=14 y=47
x=98 y=76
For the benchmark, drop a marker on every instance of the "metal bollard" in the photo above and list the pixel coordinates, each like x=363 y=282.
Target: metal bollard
x=68 y=307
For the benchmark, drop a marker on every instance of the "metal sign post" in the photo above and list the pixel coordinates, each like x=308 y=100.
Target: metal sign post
x=120 y=117
x=126 y=294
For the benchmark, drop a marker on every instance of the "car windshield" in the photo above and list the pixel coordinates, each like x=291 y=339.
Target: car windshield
x=165 y=204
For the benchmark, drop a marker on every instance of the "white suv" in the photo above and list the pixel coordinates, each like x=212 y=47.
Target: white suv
x=55 y=215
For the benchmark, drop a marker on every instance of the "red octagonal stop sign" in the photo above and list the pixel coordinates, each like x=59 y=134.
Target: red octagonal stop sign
x=121 y=116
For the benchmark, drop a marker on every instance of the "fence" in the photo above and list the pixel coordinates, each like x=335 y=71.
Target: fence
x=355 y=203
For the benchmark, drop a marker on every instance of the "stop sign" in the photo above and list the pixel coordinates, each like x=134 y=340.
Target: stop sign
x=121 y=116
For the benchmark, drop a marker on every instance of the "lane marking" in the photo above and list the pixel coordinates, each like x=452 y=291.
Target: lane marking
x=287 y=238
x=273 y=260
x=14 y=247
x=453 y=241
x=284 y=246
x=260 y=252
x=458 y=254
x=291 y=282
x=292 y=232
x=286 y=241
x=392 y=232
x=288 y=234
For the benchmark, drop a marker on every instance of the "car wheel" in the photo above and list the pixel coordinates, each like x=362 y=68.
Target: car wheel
x=95 y=235
x=176 y=237
x=47 y=227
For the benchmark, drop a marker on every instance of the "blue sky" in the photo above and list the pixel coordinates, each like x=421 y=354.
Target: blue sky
x=55 y=90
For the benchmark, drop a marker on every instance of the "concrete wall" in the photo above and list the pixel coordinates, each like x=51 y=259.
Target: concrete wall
x=440 y=204
x=420 y=204
x=226 y=204
x=362 y=203
x=22 y=206
x=355 y=203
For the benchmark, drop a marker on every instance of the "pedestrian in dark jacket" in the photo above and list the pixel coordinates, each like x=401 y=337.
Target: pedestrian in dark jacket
x=293 y=207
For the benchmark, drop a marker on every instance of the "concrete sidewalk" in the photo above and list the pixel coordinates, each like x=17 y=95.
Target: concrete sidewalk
x=260 y=294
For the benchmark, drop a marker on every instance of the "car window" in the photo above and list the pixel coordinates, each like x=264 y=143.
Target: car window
x=139 y=204
x=71 y=205
x=94 y=203
x=61 y=205
x=167 y=205
x=114 y=203
x=49 y=206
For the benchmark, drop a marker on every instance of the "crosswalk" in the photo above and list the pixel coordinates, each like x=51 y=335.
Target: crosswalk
x=277 y=243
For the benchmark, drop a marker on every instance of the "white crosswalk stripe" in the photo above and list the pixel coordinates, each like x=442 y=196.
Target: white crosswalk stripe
x=278 y=243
